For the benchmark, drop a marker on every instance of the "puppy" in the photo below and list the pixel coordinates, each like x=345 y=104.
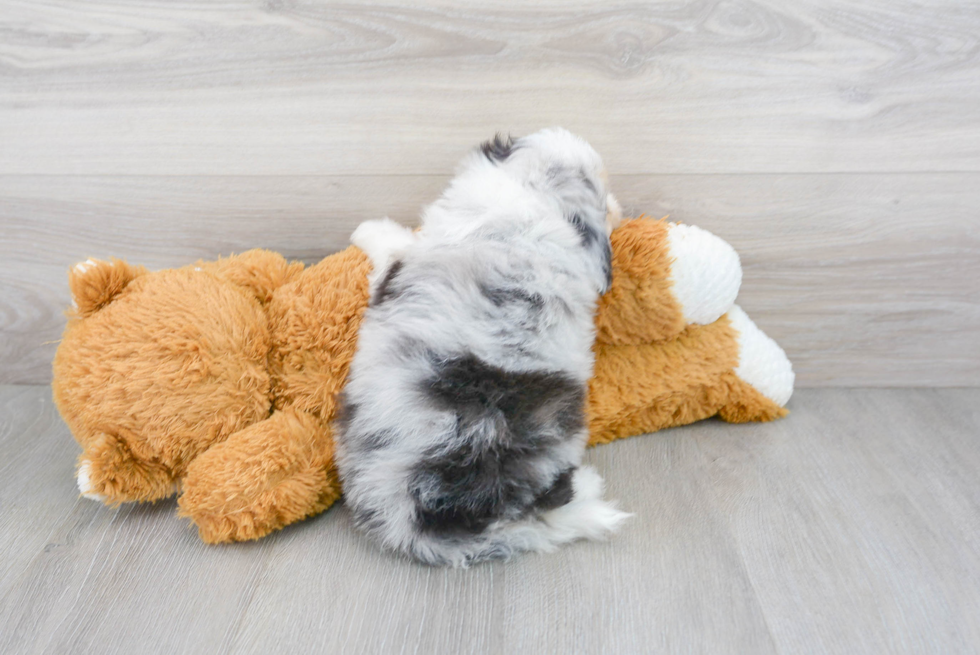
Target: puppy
x=462 y=423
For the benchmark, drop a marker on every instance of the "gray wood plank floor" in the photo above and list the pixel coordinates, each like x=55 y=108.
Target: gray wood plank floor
x=852 y=526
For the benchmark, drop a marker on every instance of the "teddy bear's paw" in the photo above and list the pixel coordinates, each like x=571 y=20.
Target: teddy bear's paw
x=261 y=478
x=761 y=362
x=705 y=273
x=110 y=473
x=85 y=482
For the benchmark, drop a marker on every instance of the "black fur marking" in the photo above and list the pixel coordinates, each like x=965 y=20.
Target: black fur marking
x=501 y=296
x=376 y=439
x=505 y=423
x=346 y=412
x=591 y=238
x=560 y=493
x=589 y=234
x=607 y=264
x=385 y=291
x=498 y=148
x=368 y=519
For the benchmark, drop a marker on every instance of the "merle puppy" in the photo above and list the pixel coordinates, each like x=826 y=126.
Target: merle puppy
x=463 y=424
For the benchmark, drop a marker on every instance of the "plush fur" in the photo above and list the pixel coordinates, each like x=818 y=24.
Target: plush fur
x=220 y=380
x=653 y=369
x=464 y=424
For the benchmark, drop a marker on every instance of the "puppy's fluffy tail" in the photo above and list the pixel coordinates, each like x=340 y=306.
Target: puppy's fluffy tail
x=586 y=516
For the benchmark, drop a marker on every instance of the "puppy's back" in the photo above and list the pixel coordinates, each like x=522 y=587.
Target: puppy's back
x=462 y=425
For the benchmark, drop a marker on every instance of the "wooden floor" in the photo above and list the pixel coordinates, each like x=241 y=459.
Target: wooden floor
x=835 y=144
x=853 y=526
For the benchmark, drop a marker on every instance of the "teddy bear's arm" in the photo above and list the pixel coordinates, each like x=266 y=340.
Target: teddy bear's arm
x=666 y=276
x=259 y=271
x=264 y=477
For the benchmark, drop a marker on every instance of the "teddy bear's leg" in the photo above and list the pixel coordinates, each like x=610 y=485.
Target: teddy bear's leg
x=381 y=240
x=262 y=478
x=729 y=368
x=648 y=387
x=764 y=375
x=110 y=473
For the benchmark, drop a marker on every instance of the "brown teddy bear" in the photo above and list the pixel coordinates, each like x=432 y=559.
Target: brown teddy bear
x=220 y=380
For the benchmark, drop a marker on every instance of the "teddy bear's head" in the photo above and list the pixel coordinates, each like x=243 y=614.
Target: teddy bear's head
x=153 y=369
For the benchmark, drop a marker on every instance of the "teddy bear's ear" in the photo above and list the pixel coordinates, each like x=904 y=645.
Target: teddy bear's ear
x=95 y=283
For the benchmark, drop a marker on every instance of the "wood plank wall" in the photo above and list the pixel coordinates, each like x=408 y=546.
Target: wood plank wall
x=835 y=144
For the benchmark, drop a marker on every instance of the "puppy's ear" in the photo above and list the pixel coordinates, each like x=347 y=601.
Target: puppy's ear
x=498 y=148
x=597 y=243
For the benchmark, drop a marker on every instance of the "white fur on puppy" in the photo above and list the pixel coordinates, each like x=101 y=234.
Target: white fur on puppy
x=463 y=422
x=381 y=240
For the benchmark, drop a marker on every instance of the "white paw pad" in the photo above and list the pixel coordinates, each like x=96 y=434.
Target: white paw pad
x=84 y=482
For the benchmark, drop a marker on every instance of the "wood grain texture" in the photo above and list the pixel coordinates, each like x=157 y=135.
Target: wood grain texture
x=863 y=279
x=848 y=527
x=799 y=505
x=300 y=87
x=835 y=144
x=31 y=508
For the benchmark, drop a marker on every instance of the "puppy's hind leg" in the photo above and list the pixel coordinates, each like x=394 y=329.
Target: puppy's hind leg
x=382 y=240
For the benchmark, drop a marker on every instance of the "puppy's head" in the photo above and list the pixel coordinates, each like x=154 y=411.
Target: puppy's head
x=559 y=164
x=556 y=161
